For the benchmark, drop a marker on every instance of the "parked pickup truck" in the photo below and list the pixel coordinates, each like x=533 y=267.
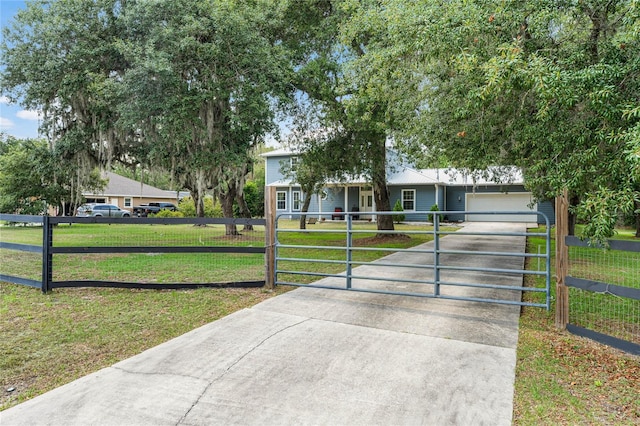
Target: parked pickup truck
x=145 y=210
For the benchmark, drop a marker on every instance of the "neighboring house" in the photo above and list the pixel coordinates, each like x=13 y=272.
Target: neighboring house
x=417 y=189
x=127 y=193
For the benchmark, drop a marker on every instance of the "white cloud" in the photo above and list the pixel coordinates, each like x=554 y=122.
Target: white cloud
x=4 y=100
x=26 y=114
x=5 y=123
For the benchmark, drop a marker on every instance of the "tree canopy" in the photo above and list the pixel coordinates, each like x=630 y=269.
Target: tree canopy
x=32 y=177
x=187 y=86
x=549 y=86
x=546 y=85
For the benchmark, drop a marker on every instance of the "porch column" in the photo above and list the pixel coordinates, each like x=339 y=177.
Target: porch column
x=374 y=218
x=437 y=196
x=346 y=199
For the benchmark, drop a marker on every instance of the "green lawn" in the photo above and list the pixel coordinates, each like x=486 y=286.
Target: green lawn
x=145 y=267
x=565 y=379
x=48 y=340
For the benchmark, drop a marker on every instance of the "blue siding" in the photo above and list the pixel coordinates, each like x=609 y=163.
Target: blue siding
x=313 y=206
x=441 y=200
x=455 y=202
x=546 y=207
x=272 y=168
x=425 y=198
x=335 y=198
x=451 y=198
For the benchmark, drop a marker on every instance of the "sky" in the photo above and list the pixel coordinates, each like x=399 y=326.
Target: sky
x=14 y=119
x=21 y=123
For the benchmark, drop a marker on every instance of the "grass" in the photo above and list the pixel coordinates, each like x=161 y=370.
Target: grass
x=49 y=340
x=565 y=379
x=145 y=267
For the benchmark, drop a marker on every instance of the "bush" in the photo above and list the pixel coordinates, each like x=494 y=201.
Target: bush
x=434 y=208
x=211 y=209
x=254 y=196
x=397 y=218
x=168 y=213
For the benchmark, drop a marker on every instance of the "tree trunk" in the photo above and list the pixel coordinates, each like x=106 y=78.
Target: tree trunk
x=198 y=202
x=226 y=200
x=383 y=204
x=244 y=211
x=305 y=209
x=379 y=181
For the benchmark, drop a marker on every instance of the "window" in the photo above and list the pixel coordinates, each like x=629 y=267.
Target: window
x=296 y=200
x=127 y=202
x=281 y=200
x=294 y=163
x=408 y=199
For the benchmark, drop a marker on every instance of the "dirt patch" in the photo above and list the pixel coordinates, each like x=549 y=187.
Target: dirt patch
x=381 y=240
x=239 y=237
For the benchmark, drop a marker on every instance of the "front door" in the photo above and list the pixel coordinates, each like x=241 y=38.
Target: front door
x=366 y=201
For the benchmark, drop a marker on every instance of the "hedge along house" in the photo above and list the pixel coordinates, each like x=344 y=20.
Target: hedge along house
x=416 y=189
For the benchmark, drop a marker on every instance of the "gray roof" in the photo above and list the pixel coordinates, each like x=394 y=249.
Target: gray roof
x=507 y=175
x=120 y=186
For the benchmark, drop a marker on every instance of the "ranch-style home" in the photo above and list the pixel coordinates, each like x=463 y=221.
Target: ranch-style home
x=127 y=193
x=417 y=189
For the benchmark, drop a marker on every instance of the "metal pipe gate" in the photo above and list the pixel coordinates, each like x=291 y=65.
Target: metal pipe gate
x=457 y=264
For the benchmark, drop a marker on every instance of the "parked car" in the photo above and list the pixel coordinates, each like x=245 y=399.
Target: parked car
x=145 y=210
x=101 y=210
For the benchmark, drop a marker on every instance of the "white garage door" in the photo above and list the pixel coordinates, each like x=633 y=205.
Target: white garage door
x=500 y=202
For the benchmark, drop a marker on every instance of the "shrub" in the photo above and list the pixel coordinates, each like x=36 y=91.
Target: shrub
x=434 y=208
x=254 y=196
x=397 y=218
x=168 y=213
x=211 y=209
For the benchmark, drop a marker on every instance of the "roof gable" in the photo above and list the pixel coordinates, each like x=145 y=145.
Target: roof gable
x=120 y=186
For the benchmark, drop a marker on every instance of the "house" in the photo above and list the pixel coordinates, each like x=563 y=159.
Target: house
x=417 y=189
x=127 y=193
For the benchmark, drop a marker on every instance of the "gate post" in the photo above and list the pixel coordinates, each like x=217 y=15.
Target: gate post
x=47 y=258
x=349 y=243
x=562 y=260
x=270 y=236
x=436 y=254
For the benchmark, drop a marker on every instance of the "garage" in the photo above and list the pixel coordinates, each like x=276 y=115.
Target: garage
x=500 y=202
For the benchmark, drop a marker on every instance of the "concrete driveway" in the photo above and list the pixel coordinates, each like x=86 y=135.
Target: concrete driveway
x=314 y=356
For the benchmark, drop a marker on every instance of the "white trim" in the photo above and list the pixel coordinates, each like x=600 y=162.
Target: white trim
x=346 y=200
x=294 y=201
x=285 y=200
x=413 y=200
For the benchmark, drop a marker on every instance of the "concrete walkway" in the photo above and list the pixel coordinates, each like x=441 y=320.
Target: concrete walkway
x=314 y=356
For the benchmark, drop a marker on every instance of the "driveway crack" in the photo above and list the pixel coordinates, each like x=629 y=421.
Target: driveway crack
x=233 y=364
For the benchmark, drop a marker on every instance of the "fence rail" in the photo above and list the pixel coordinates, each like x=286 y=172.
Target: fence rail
x=602 y=304
x=54 y=246
x=605 y=311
